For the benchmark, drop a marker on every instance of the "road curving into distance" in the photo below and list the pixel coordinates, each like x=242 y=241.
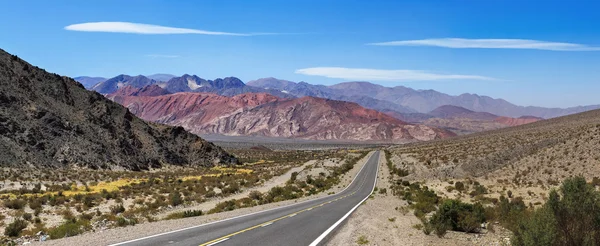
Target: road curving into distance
x=307 y=223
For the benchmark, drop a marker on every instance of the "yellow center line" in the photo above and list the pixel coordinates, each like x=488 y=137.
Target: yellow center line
x=271 y=221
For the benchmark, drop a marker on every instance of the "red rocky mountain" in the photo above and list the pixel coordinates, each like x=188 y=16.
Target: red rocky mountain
x=266 y=115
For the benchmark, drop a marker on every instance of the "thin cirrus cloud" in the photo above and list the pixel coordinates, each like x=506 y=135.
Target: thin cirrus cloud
x=138 y=28
x=384 y=75
x=463 y=43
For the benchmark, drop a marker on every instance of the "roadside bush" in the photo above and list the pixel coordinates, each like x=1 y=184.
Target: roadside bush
x=68 y=229
x=457 y=216
x=184 y=214
x=15 y=228
x=122 y=221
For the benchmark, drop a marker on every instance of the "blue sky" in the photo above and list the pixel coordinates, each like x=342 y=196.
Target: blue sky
x=326 y=42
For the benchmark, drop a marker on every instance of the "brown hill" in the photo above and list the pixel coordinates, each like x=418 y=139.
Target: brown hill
x=266 y=115
x=51 y=121
x=450 y=111
x=540 y=153
x=463 y=121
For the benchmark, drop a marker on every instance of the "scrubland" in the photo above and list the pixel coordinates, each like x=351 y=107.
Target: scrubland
x=49 y=204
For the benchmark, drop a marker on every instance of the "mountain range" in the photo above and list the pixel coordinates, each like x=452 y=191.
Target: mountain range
x=263 y=114
x=401 y=102
x=403 y=99
x=48 y=120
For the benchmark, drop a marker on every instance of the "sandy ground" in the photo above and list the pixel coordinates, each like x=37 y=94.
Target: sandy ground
x=116 y=235
x=385 y=220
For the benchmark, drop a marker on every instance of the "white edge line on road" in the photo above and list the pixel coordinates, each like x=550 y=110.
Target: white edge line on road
x=266 y=224
x=320 y=238
x=258 y=212
x=220 y=241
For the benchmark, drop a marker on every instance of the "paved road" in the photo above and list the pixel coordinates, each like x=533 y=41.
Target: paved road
x=307 y=223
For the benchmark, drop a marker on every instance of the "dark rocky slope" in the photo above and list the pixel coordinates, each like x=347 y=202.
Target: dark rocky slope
x=51 y=121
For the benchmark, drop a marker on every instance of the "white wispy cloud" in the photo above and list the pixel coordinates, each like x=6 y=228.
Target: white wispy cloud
x=383 y=75
x=162 y=56
x=138 y=28
x=463 y=43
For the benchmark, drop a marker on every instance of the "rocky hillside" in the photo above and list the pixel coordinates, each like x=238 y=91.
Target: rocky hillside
x=540 y=153
x=262 y=114
x=51 y=121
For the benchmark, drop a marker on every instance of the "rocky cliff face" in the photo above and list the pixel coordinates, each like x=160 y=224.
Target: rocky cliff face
x=266 y=115
x=51 y=121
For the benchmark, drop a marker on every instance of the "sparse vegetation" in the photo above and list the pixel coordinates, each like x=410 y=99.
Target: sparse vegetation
x=15 y=228
x=362 y=240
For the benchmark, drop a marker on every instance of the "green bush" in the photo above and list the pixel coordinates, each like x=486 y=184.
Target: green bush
x=14 y=229
x=457 y=216
x=569 y=218
x=68 y=229
x=175 y=199
x=122 y=221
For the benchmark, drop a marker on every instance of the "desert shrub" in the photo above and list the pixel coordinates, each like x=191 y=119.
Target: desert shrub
x=478 y=190
x=35 y=204
x=15 y=228
x=294 y=176
x=422 y=200
x=224 y=206
x=459 y=186
x=122 y=221
x=362 y=240
x=175 y=199
x=457 y=216
x=68 y=229
x=27 y=216
x=255 y=195
x=184 y=214
x=117 y=209
x=15 y=203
